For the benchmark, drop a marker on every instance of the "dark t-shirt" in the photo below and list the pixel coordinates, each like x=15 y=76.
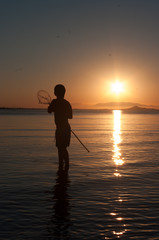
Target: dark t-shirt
x=62 y=111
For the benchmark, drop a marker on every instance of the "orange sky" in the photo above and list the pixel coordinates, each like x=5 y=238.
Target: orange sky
x=44 y=44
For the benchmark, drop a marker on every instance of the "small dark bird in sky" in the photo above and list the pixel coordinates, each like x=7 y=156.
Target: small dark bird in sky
x=18 y=69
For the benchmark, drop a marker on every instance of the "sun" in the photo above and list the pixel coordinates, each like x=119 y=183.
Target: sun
x=117 y=87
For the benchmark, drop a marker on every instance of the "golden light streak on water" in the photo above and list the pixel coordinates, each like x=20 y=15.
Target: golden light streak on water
x=119 y=219
x=119 y=233
x=117 y=174
x=113 y=214
x=117 y=158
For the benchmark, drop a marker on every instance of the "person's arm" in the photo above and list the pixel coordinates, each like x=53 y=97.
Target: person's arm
x=51 y=107
x=70 y=115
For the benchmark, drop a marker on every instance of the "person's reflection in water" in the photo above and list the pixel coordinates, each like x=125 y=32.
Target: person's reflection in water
x=60 y=221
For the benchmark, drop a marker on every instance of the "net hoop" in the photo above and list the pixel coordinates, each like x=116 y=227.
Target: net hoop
x=43 y=97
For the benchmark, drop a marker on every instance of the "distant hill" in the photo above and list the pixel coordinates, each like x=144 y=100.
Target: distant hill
x=122 y=105
x=140 y=110
x=132 y=110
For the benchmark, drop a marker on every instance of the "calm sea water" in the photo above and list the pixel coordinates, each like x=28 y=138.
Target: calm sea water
x=109 y=193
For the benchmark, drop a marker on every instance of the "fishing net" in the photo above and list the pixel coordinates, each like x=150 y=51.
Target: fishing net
x=43 y=97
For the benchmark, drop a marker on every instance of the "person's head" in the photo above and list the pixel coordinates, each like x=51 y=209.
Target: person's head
x=59 y=91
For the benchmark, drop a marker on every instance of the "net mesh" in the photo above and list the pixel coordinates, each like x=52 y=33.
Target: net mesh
x=43 y=97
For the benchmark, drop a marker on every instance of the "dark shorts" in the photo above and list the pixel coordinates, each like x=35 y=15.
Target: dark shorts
x=63 y=136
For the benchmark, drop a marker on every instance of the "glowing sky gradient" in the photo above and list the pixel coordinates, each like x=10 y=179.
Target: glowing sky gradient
x=86 y=45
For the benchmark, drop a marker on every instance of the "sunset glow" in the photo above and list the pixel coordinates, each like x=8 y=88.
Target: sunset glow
x=117 y=87
x=79 y=119
x=97 y=65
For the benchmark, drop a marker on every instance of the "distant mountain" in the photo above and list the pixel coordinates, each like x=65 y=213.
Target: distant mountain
x=132 y=110
x=123 y=105
x=140 y=110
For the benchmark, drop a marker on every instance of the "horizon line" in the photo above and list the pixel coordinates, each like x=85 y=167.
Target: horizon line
x=97 y=109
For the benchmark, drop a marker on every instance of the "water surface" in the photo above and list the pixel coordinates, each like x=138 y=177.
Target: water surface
x=109 y=193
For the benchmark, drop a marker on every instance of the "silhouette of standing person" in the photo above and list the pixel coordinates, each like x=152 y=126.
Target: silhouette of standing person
x=62 y=112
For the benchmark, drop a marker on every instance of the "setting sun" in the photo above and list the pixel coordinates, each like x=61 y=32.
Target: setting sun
x=117 y=87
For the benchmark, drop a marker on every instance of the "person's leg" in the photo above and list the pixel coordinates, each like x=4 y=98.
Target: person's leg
x=66 y=159
x=61 y=158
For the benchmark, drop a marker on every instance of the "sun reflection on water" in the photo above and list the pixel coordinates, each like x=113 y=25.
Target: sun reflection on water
x=119 y=228
x=118 y=160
